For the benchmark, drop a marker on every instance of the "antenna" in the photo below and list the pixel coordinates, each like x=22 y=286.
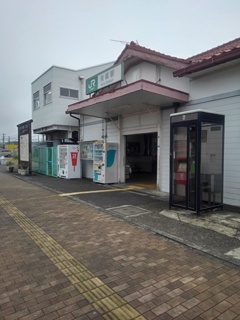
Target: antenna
x=122 y=42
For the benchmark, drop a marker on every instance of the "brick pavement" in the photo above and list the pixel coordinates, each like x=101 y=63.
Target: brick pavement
x=62 y=259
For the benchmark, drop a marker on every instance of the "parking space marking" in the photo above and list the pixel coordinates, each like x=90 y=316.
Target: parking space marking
x=105 y=300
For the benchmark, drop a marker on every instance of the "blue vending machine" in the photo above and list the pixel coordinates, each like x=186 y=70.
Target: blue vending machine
x=105 y=162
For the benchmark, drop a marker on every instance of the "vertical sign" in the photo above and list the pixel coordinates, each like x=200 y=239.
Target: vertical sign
x=25 y=144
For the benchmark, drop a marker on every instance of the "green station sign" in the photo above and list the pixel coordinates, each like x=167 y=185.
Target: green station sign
x=104 y=79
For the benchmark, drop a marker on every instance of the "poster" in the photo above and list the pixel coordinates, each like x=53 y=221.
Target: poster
x=24 y=147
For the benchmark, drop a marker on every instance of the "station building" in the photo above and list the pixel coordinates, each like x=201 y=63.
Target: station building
x=130 y=103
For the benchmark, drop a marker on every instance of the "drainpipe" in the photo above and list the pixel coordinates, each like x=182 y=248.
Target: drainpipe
x=78 y=119
x=176 y=105
x=104 y=130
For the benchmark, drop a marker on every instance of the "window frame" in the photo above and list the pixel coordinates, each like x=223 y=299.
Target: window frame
x=47 y=94
x=36 y=100
x=69 y=93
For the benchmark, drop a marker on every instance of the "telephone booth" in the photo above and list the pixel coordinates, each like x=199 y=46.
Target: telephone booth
x=196 y=160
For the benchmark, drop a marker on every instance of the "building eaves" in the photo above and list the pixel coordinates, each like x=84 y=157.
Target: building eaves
x=72 y=70
x=52 y=67
x=223 y=48
x=218 y=55
x=134 y=50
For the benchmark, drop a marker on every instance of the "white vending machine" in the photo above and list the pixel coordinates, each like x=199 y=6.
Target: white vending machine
x=69 y=161
x=105 y=162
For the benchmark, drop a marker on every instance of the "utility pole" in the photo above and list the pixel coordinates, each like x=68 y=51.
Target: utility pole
x=3 y=140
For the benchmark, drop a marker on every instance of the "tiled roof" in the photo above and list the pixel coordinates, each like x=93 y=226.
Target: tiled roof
x=224 y=53
x=142 y=49
x=134 y=50
x=220 y=54
x=224 y=48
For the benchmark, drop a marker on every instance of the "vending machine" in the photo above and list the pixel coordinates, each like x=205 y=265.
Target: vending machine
x=105 y=162
x=69 y=161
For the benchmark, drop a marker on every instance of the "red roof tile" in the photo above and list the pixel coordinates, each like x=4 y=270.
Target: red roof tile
x=224 y=48
x=137 y=51
x=224 y=53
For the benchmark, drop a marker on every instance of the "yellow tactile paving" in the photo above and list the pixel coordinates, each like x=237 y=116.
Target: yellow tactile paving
x=146 y=185
x=130 y=188
x=105 y=300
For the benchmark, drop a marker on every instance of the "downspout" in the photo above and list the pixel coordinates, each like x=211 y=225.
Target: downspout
x=104 y=130
x=78 y=119
x=176 y=105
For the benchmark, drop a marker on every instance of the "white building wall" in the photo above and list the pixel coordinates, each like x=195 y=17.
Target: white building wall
x=144 y=70
x=230 y=108
x=54 y=112
x=112 y=132
x=140 y=123
x=91 y=128
x=226 y=102
x=98 y=129
x=167 y=80
x=217 y=83
x=164 y=150
x=157 y=74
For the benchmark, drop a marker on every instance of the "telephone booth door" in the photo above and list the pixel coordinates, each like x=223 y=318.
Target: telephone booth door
x=196 y=160
x=184 y=166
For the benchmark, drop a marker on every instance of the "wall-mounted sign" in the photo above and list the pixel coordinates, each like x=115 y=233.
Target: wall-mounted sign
x=105 y=78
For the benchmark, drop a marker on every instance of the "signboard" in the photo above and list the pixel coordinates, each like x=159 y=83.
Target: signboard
x=25 y=144
x=105 y=78
x=24 y=147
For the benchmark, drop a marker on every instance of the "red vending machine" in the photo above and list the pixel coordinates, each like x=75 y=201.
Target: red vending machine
x=69 y=166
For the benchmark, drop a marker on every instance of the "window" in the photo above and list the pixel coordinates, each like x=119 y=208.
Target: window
x=36 y=100
x=47 y=94
x=70 y=93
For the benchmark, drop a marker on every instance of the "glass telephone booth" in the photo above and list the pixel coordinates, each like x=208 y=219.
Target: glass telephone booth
x=196 y=160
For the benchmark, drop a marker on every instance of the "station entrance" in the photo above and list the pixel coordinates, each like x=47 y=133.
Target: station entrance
x=141 y=159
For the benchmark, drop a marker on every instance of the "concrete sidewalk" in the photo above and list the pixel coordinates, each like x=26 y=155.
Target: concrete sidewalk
x=64 y=259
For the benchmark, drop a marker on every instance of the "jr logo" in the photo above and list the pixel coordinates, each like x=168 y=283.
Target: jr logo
x=92 y=84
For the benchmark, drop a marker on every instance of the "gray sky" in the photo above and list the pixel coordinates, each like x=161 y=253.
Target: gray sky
x=36 y=34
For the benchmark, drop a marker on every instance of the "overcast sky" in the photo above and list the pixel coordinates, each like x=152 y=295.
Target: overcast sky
x=36 y=34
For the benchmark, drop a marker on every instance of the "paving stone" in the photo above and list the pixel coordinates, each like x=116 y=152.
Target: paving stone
x=63 y=259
